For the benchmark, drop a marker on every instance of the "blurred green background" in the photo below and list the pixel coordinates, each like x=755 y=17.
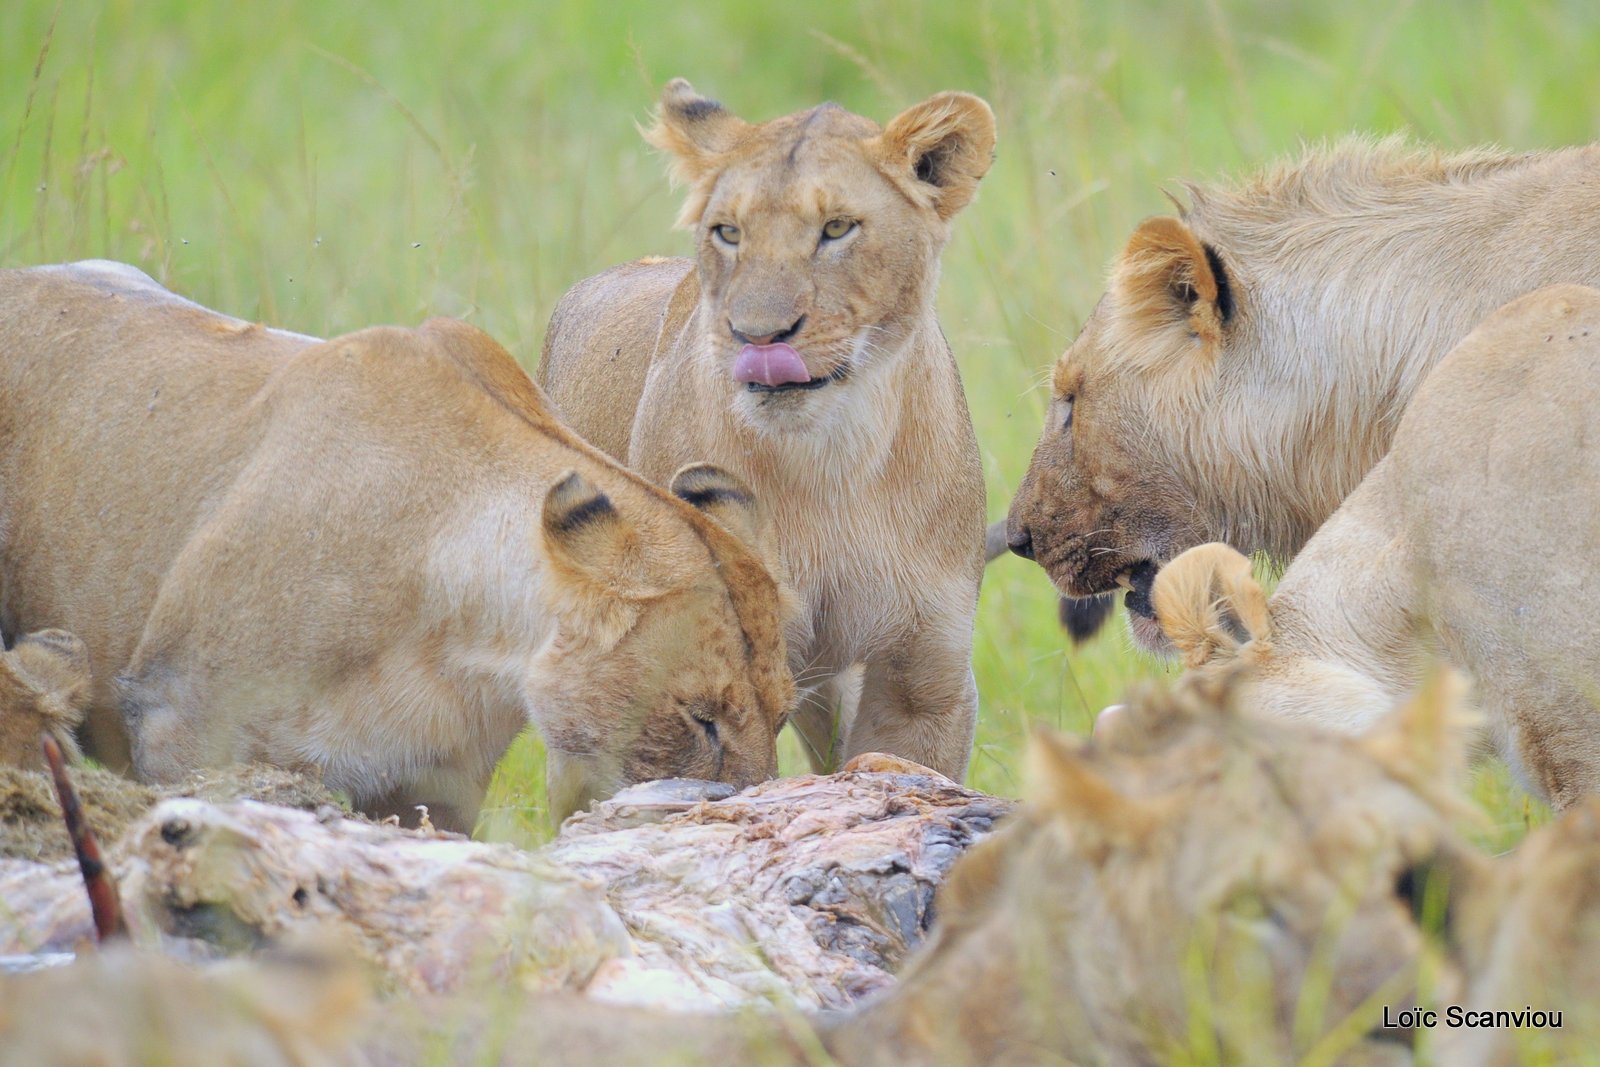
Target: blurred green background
x=325 y=166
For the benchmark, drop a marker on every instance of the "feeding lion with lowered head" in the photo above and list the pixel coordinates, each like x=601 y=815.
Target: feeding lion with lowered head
x=1251 y=359
x=1530 y=942
x=1475 y=538
x=379 y=557
x=799 y=348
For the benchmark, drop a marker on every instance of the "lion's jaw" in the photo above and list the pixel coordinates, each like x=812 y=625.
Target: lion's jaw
x=847 y=414
x=1108 y=494
x=1143 y=624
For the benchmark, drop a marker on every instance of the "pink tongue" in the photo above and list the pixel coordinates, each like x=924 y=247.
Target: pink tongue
x=770 y=365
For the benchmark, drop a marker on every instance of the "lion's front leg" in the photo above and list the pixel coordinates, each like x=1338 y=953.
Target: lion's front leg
x=823 y=715
x=919 y=700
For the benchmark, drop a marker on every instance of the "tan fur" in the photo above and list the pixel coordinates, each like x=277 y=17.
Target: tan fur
x=44 y=688
x=312 y=1006
x=125 y=1007
x=1246 y=412
x=334 y=554
x=1189 y=599
x=1530 y=937
x=1475 y=538
x=1208 y=878
x=872 y=482
x=1211 y=889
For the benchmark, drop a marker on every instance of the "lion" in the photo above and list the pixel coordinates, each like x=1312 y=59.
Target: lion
x=127 y=1007
x=1530 y=942
x=378 y=557
x=311 y=1005
x=1474 y=538
x=800 y=350
x=44 y=689
x=1201 y=886
x=1251 y=359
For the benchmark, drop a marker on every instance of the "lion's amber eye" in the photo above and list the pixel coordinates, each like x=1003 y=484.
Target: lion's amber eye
x=834 y=229
x=727 y=233
x=1066 y=420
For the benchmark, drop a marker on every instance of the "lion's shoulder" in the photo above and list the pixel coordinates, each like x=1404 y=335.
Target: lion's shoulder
x=628 y=300
x=602 y=337
x=1535 y=354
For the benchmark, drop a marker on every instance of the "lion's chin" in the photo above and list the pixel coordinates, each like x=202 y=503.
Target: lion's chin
x=826 y=408
x=1148 y=637
x=1147 y=634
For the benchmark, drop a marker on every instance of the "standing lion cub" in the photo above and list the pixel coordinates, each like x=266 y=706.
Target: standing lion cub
x=800 y=349
x=380 y=556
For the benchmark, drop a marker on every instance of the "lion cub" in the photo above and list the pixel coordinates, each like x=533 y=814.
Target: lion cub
x=1530 y=943
x=379 y=556
x=1476 y=536
x=1204 y=888
x=800 y=349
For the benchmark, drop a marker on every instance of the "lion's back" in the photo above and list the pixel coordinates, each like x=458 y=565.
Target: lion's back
x=1513 y=412
x=1499 y=484
x=600 y=342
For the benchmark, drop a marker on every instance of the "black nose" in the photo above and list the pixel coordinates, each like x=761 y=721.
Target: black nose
x=770 y=338
x=1020 y=541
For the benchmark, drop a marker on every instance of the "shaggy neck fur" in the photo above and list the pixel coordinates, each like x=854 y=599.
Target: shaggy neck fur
x=1356 y=270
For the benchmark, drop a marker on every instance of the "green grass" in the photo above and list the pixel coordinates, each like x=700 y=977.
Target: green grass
x=327 y=166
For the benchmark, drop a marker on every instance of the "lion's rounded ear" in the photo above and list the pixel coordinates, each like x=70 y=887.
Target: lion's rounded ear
x=1168 y=274
x=947 y=144
x=1425 y=740
x=48 y=671
x=713 y=490
x=55 y=663
x=1209 y=604
x=589 y=545
x=696 y=132
x=1063 y=780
